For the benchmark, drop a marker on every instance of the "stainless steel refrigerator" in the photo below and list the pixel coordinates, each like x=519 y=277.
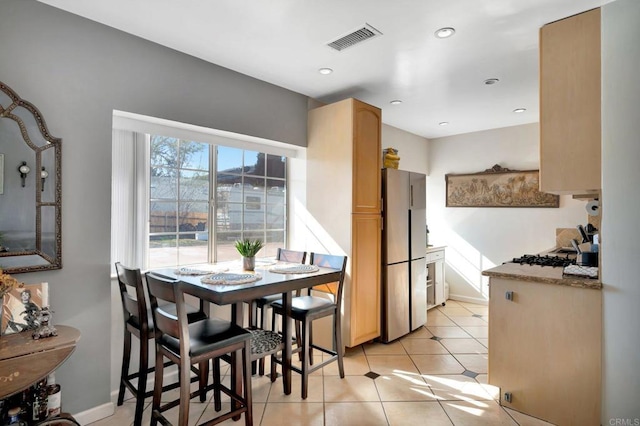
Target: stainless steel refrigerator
x=404 y=279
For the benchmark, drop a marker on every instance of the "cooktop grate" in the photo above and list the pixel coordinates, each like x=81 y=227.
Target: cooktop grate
x=534 y=259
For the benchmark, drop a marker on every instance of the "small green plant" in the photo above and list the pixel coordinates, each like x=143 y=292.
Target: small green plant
x=248 y=248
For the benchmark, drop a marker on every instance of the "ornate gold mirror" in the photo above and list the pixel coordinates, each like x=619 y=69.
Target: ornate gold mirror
x=30 y=188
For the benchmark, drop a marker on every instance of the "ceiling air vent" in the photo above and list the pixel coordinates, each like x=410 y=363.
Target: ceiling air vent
x=358 y=36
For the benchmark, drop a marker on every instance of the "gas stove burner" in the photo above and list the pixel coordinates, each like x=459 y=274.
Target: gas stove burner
x=534 y=259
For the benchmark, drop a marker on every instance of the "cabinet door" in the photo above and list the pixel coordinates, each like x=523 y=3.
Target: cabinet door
x=396 y=301
x=365 y=279
x=367 y=158
x=418 y=293
x=545 y=349
x=438 y=282
x=570 y=134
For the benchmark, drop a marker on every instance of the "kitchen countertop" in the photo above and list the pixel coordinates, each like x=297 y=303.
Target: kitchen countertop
x=431 y=248
x=543 y=274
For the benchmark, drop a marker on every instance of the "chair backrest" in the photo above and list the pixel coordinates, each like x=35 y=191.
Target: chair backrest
x=168 y=290
x=291 y=255
x=332 y=262
x=133 y=306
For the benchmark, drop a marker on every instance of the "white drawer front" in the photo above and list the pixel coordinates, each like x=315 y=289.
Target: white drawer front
x=435 y=255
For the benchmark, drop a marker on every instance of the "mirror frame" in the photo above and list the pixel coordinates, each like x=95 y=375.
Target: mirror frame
x=54 y=143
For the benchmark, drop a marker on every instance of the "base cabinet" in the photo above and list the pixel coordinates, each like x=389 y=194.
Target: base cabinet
x=545 y=350
x=365 y=299
x=435 y=278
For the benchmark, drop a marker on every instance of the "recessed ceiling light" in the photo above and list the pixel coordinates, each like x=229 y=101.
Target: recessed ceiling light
x=445 y=32
x=491 y=81
x=519 y=110
x=325 y=71
x=443 y=123
x=396 y=102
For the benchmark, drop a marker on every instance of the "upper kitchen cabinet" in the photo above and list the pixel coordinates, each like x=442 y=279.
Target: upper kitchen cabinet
x=570 y=135
x=344 y=161
x=367 y=160
x=344 y=137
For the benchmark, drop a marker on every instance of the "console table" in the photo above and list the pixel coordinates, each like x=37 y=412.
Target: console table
x=24 y=361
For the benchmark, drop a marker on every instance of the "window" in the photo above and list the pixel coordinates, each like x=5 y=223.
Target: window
x=189 y=223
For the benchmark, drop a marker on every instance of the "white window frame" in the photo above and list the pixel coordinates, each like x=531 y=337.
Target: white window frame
x=130 y=175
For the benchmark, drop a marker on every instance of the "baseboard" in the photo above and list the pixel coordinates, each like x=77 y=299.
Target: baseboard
x=105 y=410
x=96 y=413
x=169 y=377
x=461 y=298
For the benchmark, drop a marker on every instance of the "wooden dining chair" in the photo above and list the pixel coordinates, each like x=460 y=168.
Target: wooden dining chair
x=263 y=304
x=196 y=343
x=309 y=308
x=138 y=322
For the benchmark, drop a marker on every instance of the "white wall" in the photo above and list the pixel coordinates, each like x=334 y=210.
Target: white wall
x=412 y=149
x=620 y=218
x=480 y=238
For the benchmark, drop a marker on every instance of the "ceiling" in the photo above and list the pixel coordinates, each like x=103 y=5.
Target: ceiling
x=284 y=42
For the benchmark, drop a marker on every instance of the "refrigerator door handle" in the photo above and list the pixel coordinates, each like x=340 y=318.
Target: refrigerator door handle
x=411 y=196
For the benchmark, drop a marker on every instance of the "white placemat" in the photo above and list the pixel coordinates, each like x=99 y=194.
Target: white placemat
x=230 y=278
x=200 y=271
x=261 y=263
x=296 y=268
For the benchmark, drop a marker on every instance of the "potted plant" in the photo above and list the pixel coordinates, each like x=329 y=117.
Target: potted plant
x=248 y=250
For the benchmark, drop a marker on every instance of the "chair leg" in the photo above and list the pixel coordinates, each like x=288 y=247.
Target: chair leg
x=246 y=358
x=305 y=358
x=253 y=314
x=310 y=342
x=216 y=381
x=298 y=340
x=263 y=323
x=142 y=381
x=337 y=332
x=203 y=379
x=157 y=387
x=274 y=324
x=274 y=373
x=126 y=358
x=185 y=397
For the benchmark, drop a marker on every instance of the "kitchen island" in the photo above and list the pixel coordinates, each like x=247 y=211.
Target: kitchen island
x=545 y=342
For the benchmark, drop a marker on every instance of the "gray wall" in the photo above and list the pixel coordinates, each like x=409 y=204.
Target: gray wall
x=620 y=218
x=76 y=72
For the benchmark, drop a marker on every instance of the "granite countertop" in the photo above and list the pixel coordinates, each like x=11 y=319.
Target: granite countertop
x=543 y=274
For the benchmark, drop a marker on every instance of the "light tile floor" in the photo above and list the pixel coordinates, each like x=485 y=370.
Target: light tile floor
x=437 y=375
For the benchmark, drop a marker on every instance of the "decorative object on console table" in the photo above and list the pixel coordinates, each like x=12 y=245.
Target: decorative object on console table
x=21 y=308
x=44 y=328
x=248 y=250
x=498 y=187
x=7 y=284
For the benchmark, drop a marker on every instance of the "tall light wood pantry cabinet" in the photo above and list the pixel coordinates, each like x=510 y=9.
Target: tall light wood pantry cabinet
x=344 y=160
x=570 y=81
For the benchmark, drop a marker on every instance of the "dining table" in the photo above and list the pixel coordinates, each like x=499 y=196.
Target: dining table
x=266 y=281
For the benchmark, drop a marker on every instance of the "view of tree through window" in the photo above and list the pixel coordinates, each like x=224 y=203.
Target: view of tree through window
x=249 y=201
